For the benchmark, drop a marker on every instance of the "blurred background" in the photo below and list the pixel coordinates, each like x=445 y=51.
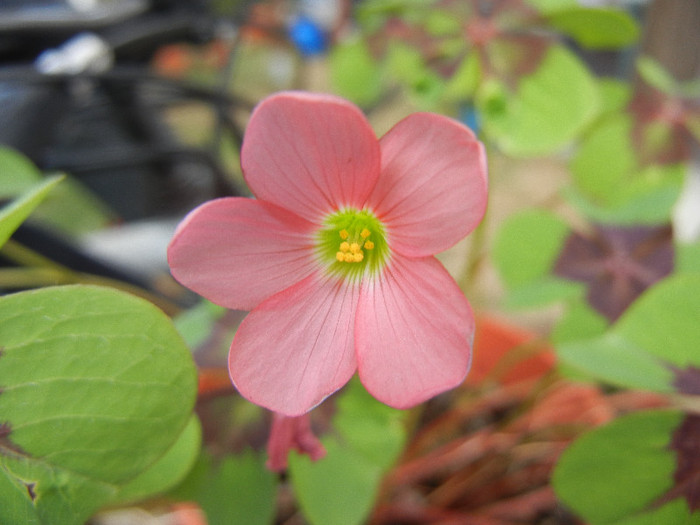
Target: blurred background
x=590 y=111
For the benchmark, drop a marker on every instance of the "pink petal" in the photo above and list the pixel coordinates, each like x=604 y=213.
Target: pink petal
x=310 y=153
x=238 y=252
x=414 y=332
x=291 y=433
x=296 y=348
x=433 y=187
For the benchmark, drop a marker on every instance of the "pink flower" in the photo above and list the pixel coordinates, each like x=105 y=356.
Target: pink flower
x=335 y=255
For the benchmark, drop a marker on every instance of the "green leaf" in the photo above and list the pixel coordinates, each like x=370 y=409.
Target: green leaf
x=195 y=324
x=655 y=75
x=676 y=512
x=14 y=214
x=657 y=332
x=73 y=209
x=550 y=108
x=542 y=292
x=354 y=73
x=580 y=321
x=527 y=245
x=110 y=384
x=442 y=23
x=664 y=320
x=546 y=6
x=688 y=257
x=653 y=207
x=617 y=361
x=373 y=429
x=463 y=84
x=644 y=197
x=17 y=173
x=337 y=490
x=341 y=487
x=614 y=95
x=16 y=504
x=238 y=490
x=596 y=28
x=168 y=471
x=620 y=469
x=604 y=159
x=406 y=64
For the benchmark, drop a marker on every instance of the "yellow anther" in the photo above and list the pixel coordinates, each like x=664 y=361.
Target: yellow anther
x=355 y=248
x=344 y=246
x=344 y=234
x=369 y=245
x=357 y=257
x=340 y=256
x=349 y=257
x=365 y=233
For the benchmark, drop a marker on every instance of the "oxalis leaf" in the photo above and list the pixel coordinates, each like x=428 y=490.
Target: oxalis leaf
x=653 y=346
x=550 y=107
x=596 y=28
x=641 y=467
x=341 y=487
x=95 y=386
x=17 y=173
x=232 y=490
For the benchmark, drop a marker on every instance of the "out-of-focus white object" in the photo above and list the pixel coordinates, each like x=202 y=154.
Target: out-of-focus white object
x=326 y=13
x=139 y=248
x=686 y=214
x=83 y=53
x=84 y=5
x=71 y=14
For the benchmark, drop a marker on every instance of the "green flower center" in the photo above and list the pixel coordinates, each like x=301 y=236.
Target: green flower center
x=353 y=242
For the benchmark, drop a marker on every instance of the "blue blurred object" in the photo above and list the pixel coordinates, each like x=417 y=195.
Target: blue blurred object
x=308 y=36
x=469 y=115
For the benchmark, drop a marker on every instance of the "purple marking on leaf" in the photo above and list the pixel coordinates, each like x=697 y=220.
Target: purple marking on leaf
x=506 y=35
x=7 y=447
x=686 y=444
x=30 y=490
x=687 y=380
x=674 y=114
x=617 y=263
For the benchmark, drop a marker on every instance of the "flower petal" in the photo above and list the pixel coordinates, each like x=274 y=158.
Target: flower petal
x=414 y=332
x=237 y=252
x=310 y=153
x=296 y=348
x=433 y=185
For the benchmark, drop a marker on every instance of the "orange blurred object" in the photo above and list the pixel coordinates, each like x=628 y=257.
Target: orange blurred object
x=214 y=381
x=507 y=354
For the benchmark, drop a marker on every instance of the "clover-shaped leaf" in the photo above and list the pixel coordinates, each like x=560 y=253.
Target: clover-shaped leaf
x=652 y=346
x=639 y=469
x=95 y=387
x=341 y=488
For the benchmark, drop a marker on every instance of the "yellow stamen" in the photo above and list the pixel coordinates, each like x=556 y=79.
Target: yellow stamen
x=350 y=249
